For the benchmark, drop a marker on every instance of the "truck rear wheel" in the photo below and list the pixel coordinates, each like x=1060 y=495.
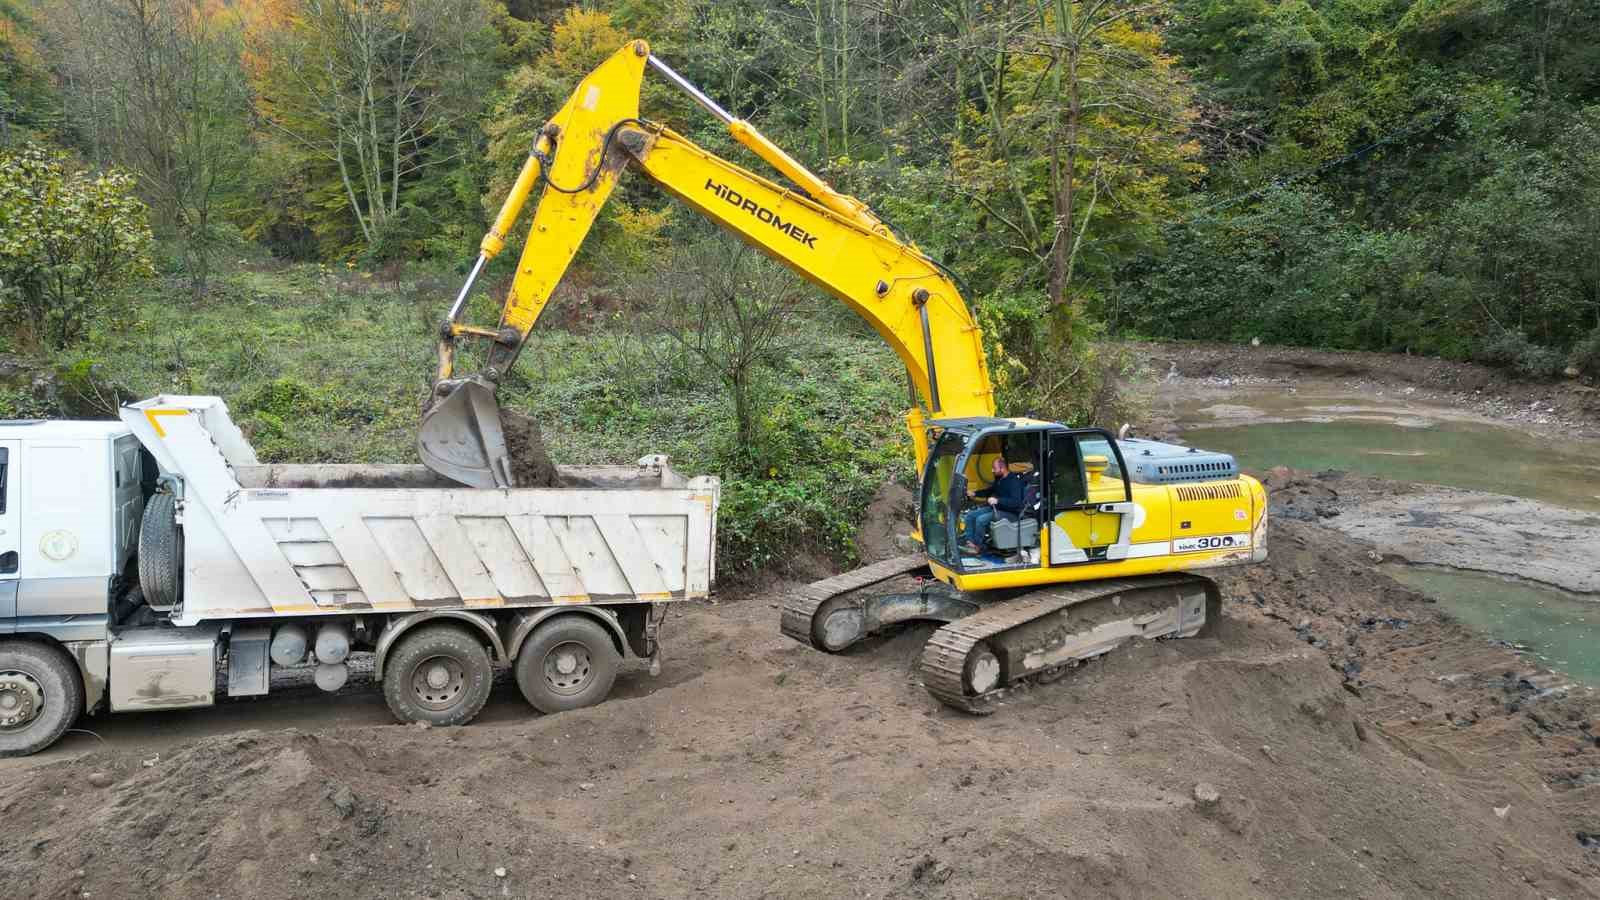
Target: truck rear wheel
x=568 y=663
x=439 y=674
x=41 y=694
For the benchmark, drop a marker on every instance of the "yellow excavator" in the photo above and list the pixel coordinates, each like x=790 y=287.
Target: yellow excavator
x=1101 y=534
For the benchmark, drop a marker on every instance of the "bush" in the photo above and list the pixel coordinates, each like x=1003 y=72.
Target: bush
x=67 y=238
x=1512 y=350
x=1586 y=355
x=273 y=412
x=801 y=489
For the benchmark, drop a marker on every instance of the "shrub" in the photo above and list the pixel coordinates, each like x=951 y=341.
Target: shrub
x=1511 y=349
x=67 y=238
x=1585 y=355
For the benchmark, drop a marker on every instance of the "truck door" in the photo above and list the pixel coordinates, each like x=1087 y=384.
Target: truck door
x=10 y=528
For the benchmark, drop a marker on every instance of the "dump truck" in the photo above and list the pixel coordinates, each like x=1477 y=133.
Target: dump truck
x=153 y=563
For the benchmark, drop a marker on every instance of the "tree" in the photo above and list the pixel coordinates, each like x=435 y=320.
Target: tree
x=29 y=106
x=1082 y=100
x=733 y=310
x=1080 y=149
x=67 y=237
x=156 y=87
x=384 y=92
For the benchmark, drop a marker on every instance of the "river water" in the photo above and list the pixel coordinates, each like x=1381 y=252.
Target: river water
x=1397 y=441
x=1561 y=630
x=1410 y=442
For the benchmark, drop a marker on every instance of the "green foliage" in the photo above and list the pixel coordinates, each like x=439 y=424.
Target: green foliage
x=1585 y=355
x=372 y=108
x=67 y=238
x=1424 y=176
x=30 y=108
x=1512 y=350
x=19 y=403
x=806 y=481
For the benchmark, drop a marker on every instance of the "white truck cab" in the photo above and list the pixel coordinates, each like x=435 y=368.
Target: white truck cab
x=71 y=495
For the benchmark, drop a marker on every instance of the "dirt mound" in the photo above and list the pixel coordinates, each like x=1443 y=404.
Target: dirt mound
x=270 y=815
x=890 y=516
x=1296 y=704
x=531 y=465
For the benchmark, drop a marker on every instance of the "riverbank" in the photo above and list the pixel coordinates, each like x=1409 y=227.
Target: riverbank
x=1183 y=373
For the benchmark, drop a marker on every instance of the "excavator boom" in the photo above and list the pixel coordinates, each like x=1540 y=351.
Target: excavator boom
x=830 y=239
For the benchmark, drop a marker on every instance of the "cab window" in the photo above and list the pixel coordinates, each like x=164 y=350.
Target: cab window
x=1070 y=478
x=937 y=520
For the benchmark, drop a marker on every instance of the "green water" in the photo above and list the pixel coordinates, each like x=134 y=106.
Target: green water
x=1560 y=630
x=1456 y=454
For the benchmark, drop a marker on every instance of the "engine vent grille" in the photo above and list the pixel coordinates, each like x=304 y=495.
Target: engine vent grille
x=1208 y=491
x=1152 y=462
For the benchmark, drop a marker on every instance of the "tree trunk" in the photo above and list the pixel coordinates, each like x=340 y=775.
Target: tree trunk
x=1064 y=174
x=824 y=143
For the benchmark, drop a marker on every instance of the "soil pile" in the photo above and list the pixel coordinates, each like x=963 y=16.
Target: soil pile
x=1337 y=736
x=890 y=517
x=531 y=465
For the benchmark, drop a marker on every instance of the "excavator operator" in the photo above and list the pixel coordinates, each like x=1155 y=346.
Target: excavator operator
x=1006 y=497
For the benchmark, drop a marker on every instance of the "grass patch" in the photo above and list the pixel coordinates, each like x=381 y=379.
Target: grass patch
x=321 y=365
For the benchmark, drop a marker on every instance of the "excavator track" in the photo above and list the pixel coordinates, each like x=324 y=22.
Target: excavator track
x=996 y=647
x=800 y=609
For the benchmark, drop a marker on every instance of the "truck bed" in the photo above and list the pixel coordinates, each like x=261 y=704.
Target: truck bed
x=273 y=540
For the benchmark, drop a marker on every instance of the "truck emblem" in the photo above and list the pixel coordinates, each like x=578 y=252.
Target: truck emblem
x=58 y=545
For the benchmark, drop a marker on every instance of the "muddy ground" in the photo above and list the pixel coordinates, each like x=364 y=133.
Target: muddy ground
x=1337 y=736
x=1471 y=531
x=1356 y=743
x=1183 y=371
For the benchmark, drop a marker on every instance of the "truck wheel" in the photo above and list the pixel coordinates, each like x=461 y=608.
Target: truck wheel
x=568 y=663
x=41 y=694
x=439 y=674
x=160 y=552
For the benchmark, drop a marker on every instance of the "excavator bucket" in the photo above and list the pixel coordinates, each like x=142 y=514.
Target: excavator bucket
x=461 y=436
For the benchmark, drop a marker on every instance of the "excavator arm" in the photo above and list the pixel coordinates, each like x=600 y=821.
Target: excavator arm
x=831 y=239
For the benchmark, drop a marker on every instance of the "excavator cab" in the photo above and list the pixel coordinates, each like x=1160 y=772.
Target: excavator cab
x=1077 y=497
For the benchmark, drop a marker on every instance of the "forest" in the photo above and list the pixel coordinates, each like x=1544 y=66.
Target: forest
x=225 y=196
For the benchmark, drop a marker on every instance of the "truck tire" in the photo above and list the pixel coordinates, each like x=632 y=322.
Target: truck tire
x=438 y=674
x=569 y=662
x=160 y=552
x=41 y=695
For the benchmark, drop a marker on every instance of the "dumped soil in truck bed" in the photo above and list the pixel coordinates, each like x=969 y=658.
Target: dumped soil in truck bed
x=1337 y=737
x=530 y=461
